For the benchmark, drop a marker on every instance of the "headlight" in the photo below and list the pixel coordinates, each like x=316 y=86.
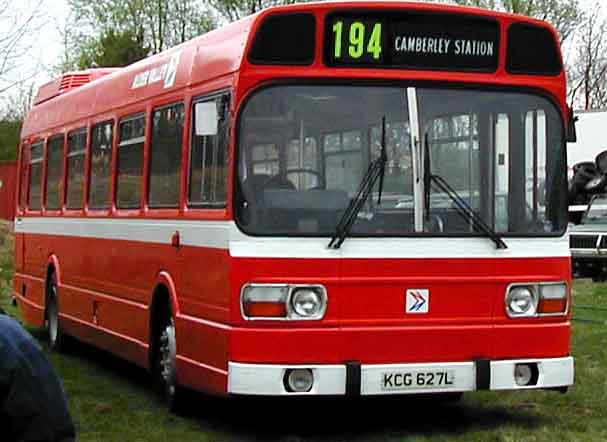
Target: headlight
x=521 y=301
x=308 y=302
x=537 y=299
x=283 y=301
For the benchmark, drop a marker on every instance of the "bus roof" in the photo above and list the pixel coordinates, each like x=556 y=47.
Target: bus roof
x=220 y=52
x=215 y=54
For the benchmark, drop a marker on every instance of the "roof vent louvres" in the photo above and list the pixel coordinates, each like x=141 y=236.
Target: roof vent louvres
x=72 y=81
x=69 y=81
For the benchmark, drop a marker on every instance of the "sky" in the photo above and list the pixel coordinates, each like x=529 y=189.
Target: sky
x=41 y=48
x=46 y=46
x=58 y=11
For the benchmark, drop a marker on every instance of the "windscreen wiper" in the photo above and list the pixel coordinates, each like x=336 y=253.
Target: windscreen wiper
x=461 y=205
x=376 y=170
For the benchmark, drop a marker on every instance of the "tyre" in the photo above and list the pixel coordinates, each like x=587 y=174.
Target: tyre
x=165 y=365
x=601 y=162
x=585 y=168
x=56 y=338
x=596 y=184
x=582 y=173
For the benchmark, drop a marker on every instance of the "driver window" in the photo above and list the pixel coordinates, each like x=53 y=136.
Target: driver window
x=209 y=155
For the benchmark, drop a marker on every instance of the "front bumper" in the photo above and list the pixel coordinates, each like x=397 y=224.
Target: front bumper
x=361 y=379
x=588 y=254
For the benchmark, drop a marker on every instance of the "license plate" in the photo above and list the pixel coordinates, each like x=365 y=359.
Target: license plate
x=417 y=380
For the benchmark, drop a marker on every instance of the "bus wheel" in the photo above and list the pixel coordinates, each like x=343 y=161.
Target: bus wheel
x=55 y=335
x=165 y=367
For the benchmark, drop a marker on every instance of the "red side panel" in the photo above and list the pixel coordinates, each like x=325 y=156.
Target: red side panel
x=8 y=187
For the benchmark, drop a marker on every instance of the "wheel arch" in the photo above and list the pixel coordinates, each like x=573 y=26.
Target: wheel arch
x=164 y=296
x=52 y=267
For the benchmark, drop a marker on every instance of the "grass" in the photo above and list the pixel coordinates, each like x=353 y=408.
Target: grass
x=6 y=265
x=111 y=400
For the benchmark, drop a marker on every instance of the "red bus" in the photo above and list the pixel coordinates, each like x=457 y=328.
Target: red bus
x=357 y=198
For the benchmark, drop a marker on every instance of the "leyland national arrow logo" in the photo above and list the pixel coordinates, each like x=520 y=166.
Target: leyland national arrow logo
x=417 y=301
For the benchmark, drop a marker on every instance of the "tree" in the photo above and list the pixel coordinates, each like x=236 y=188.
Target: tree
x=16 y=106
x=487 y=4
x=9 y=139
x=121 y=31
x=19 y=102
x=588 y=69
x=17 y=26
x=564 y=15
x=112 y=49
x=232 y=10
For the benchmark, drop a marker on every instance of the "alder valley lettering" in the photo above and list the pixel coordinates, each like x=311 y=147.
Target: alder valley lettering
x=436 y=45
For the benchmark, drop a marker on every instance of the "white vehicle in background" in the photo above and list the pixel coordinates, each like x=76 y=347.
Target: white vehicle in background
x=586 y=161
x=588 y=241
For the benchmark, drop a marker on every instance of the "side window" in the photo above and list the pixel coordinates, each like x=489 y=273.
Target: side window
x=54 y=173
x=165 y=161
x=76 y=154
x=130 y=162
x=23 y=185
x=101 y=166
x=209 y=158
x=35 y=185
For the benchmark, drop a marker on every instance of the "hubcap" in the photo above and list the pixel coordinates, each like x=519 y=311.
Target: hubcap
x=594 y=182
x=167 y=357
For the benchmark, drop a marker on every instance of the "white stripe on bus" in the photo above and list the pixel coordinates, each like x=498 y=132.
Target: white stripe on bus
x=212 y=234
x=226 y=235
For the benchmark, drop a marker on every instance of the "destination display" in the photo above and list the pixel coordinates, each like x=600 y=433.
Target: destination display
x=412 y=41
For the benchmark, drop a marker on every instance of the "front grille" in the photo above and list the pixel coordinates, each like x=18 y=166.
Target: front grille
x=583 y=241
x=603 y=244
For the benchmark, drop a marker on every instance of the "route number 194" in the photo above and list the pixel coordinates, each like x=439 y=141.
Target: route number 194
x=363 y=41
